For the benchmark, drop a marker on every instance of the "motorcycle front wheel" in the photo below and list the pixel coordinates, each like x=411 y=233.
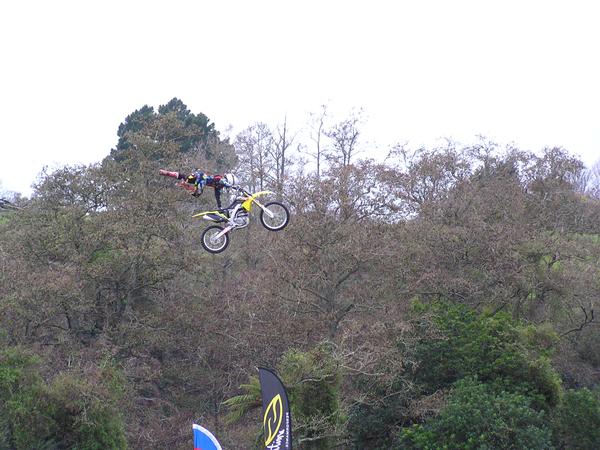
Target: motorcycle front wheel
x=280 y=216
x=211 y=242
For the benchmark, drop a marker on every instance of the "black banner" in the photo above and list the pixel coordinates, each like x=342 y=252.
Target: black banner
x=277 y=418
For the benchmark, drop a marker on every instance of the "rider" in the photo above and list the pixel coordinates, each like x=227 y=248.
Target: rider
x=198 y=179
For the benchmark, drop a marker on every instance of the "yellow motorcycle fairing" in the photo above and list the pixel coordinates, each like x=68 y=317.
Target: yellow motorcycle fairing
x=247 y=205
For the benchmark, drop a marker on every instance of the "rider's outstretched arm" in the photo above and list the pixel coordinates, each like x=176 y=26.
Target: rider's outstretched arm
x=168 y=173
x=172 y=174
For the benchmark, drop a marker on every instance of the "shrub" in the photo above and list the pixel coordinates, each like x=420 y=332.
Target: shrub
x=577 y=420
x=492 y=348
x=72 y=412
x=480 y=417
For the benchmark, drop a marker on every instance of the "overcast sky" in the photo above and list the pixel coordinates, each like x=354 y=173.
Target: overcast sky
x=526 y=72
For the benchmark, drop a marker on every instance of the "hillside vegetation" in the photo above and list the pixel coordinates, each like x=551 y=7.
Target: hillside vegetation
x=444 y=298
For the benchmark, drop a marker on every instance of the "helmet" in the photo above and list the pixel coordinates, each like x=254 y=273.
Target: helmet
x=230 y=179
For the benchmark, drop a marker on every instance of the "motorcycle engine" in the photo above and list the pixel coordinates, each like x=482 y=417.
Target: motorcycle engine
x=241 y=219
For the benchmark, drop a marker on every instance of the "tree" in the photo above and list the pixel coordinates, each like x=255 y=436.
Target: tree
x=489 y=347
x=441 y=347
x=577 y=420
x=552 y=181
x=170 y=133
x=71 y=412
x=344 y=136
x=255 y=147
x=279 y=152
x=423 y=176
x=478 y=416
x=325 y=262
x=317 y=126
x=593 y=181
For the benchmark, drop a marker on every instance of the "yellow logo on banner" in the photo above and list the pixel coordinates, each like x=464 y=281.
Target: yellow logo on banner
x=273 y=418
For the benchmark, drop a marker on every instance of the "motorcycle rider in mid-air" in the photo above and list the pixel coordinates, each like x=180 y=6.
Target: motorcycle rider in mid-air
x=273 y=215
x=197 y=180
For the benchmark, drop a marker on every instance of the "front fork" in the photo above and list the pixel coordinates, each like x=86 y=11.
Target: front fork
x=226 y=230
x=266 y=210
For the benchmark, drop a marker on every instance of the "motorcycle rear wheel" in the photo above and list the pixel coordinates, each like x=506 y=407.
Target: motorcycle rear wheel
x=208 y=239
x=280 y=219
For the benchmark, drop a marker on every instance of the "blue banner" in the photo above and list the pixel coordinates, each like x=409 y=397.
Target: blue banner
x=204 y=439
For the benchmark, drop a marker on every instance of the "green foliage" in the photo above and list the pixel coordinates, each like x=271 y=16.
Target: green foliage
x=373 y=425
x=239 y=405
x=134 y=122
x=577 y=420
x=478 y=416
x=493 y=348
x=23 y=403
x=84 y=422
x=454 y=343
x=171 y=131
x=72 y=412
x=315 y=379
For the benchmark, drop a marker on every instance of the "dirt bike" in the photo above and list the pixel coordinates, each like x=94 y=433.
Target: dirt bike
x=274 y=216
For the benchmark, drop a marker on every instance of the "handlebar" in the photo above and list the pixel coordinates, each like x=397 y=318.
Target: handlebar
x=240 y=189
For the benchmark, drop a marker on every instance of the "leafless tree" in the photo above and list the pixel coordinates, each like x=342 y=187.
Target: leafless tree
x=344 y=136
x=593 y=181
x=254 y=146
x=423 y=175
x=317 y=127
x=279 y=153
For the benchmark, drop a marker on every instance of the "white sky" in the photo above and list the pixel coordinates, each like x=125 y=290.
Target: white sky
x=516 y=71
